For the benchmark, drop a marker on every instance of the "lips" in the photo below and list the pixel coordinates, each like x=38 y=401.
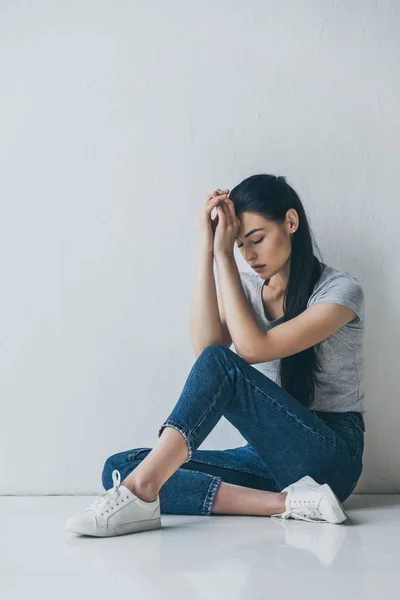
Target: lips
x=259 y=270
x=257 y=266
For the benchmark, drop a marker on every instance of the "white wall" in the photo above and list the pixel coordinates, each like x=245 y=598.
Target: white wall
x=117 y=119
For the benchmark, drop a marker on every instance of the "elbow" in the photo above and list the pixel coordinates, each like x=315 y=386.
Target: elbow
x=252 y=351
x=245 y=354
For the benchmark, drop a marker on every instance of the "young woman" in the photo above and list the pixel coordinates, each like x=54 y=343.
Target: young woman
x=293 y=387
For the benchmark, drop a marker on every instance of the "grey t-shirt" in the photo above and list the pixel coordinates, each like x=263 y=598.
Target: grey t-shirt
x=340 y=386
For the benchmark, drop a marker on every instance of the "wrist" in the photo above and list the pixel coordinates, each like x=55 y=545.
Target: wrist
x=224 y=257
x=205 y=254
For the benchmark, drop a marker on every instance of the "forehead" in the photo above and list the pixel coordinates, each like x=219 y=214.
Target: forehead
x=251 y=223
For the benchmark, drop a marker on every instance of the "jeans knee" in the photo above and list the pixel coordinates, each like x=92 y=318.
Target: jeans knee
x=214 y=348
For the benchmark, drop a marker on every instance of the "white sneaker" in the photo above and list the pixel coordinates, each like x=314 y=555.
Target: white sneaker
x=309 y=501
x=116 y=512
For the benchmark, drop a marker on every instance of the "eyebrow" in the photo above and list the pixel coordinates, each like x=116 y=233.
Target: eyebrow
x=252 y=231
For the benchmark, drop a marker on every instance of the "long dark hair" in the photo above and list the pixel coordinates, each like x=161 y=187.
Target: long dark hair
x=272 y=196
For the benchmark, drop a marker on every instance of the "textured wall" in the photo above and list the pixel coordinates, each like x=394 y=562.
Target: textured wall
x=117 y=119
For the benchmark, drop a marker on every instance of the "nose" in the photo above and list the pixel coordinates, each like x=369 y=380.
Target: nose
x=248 y=257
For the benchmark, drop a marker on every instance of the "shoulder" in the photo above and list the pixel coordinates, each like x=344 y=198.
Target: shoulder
x=341 y=287
x=332 y=278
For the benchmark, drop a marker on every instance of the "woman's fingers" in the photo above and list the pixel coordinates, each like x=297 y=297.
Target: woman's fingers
x=221 y=210
x=215 y=199
x=227 y=208
x=218 y=192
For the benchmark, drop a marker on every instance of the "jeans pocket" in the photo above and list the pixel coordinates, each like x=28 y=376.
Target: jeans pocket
x=348 y=439
x=355 y=439
x=352 y=440
x=349 y=429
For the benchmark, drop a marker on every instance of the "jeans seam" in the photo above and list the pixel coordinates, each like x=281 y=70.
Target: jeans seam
x=199 y=422
x=133 y=455
x=344 y=428
x=241 y=470
x=189 y=435
x=212 y=490
x=293 y=415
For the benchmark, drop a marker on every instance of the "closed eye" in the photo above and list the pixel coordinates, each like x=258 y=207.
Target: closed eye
x=257 y=242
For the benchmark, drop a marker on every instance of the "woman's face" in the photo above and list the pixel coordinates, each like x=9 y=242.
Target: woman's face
x=270 y=245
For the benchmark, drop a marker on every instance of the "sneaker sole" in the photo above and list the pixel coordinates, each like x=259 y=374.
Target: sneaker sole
x=122 y=529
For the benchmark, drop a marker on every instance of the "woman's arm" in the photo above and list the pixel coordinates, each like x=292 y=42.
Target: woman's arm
x=243 y=327
x=205 y=322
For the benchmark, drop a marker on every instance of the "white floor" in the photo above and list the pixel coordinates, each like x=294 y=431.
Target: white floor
x=192 y=557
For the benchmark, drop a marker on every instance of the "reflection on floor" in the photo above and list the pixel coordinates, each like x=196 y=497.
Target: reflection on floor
x=193 y=557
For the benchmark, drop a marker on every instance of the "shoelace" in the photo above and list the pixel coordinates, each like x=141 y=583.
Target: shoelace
x=295 y=509
x=104 y=502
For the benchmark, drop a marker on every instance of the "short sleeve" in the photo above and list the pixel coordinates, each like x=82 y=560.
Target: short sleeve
x=344 y=289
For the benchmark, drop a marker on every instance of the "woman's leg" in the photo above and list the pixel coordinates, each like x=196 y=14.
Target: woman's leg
x=231 y=481
x=238 y=500
x=289 y=438
x=169 y=454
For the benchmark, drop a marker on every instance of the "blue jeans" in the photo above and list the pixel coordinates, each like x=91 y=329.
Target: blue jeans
x=285 y=440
